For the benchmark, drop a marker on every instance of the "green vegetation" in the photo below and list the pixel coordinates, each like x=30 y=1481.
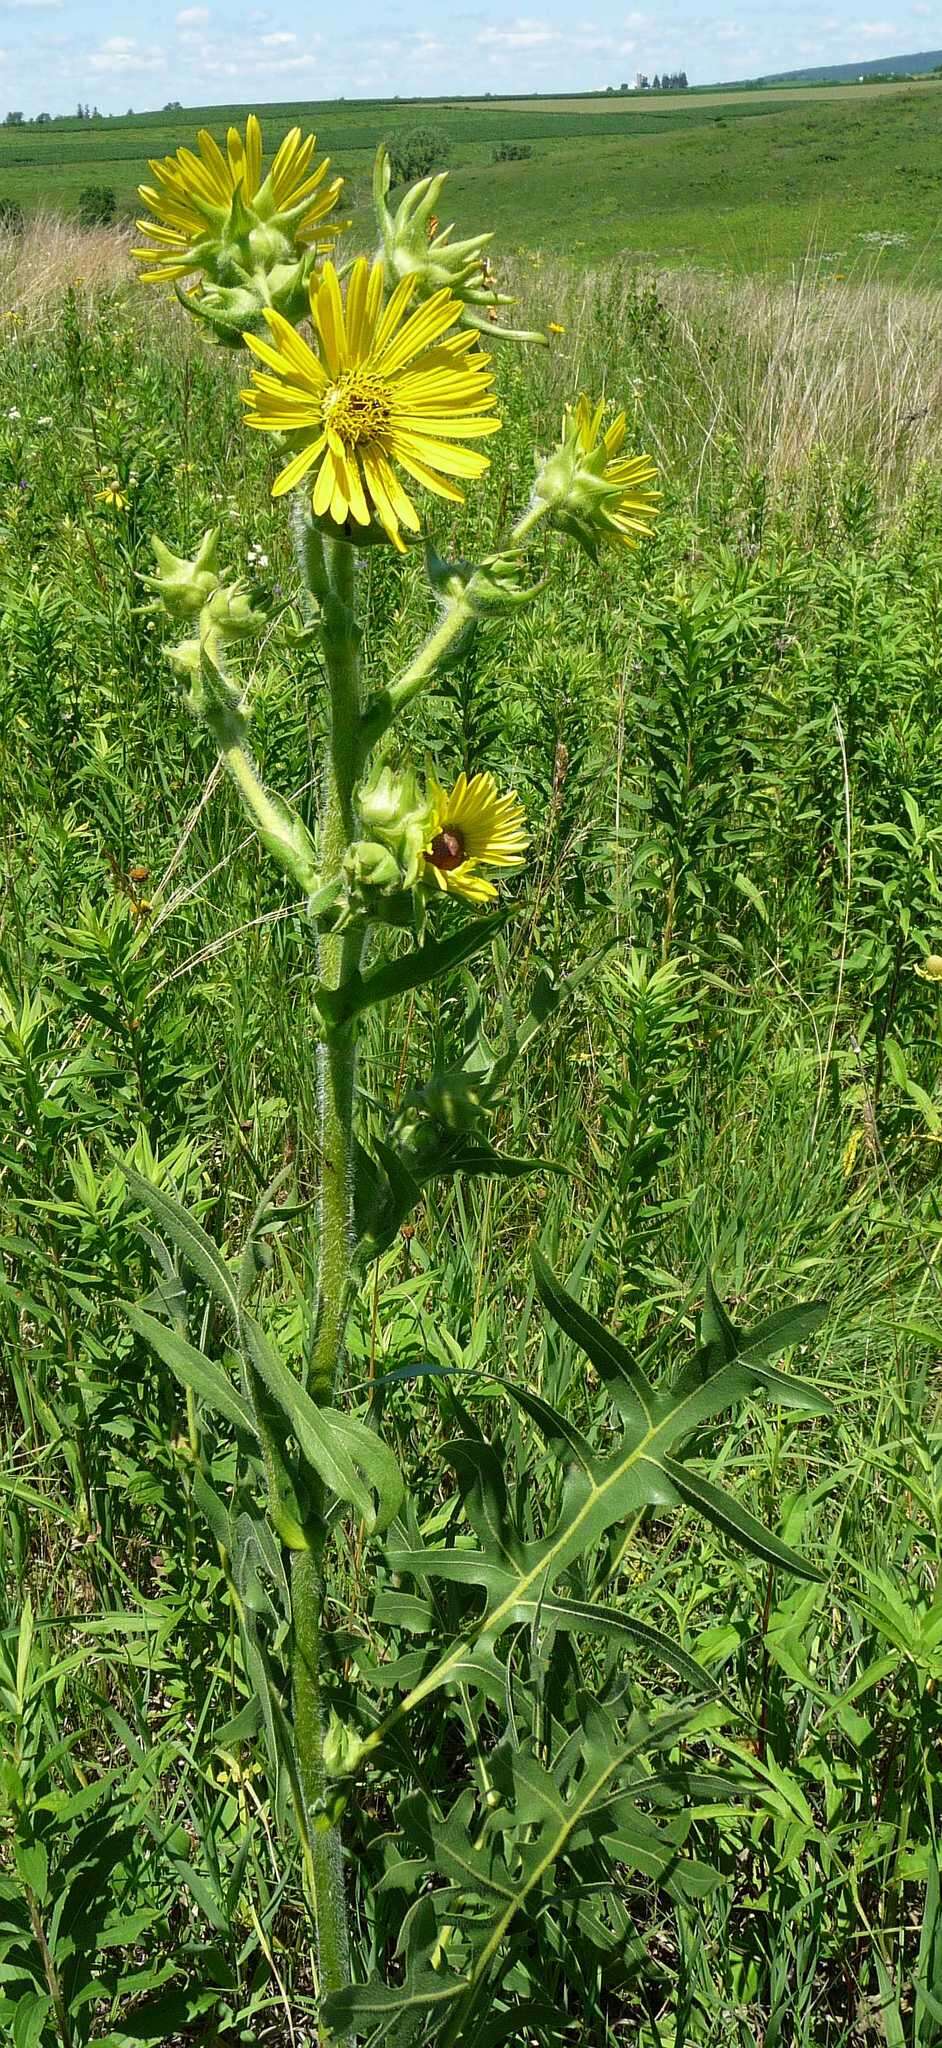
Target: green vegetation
x=97 y=206
x=739 y=180
x=415 y=153
x=728 y=750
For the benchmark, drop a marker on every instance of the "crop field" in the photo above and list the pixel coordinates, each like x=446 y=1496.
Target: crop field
x=741 y=181
x=470 y=1386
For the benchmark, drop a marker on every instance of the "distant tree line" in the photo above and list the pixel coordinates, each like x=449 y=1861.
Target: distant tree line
x=669 y=81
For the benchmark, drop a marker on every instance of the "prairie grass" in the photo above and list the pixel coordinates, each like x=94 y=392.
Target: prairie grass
x=53 y=254
x=728 y=748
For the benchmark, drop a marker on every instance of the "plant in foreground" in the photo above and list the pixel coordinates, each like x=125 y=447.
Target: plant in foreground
x=383 y=396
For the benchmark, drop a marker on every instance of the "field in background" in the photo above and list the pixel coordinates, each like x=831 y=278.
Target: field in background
x=728 y=749
x=740 y=181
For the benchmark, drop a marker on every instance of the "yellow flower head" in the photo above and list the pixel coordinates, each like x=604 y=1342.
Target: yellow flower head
x=386 y=386
x=113 y=496
x=205 y=207
x=473 y=826
x=596 y=493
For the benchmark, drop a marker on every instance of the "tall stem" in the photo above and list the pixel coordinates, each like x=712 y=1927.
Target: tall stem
x=330 y=577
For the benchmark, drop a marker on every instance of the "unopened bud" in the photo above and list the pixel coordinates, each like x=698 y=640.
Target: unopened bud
x=413 y=245
x=182 y=585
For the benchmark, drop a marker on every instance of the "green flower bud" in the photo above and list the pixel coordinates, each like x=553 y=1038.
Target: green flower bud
x=182 y=586
x=342 y=1747
x=369 y=866
x=412 y=245
x=233 y=310
x=499 y=583
x=229 y=614
x=457 y=1099
x=398 y=817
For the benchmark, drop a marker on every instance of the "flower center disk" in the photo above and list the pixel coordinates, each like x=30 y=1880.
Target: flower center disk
x=447 y=849
x=357 y=408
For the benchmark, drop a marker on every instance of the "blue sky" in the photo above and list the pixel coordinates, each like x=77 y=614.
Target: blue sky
x=116 y=55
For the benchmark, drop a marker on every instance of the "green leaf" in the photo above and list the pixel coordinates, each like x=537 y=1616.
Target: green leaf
x=628 y=1385
x=735 y=1521
x=600 y=1491
x=193 y=1369
x=593 y=1618
x=33 y=2008
x=345 y=1454
x=748 y=889
x=381 y=2002
x=32 y=1864
x=411 y=970
x=195 y=1247
x=788 y=1326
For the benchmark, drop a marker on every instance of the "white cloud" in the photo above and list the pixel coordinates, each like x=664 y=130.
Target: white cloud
x=523 y=34
x=284 y=66
x=874 y=31
x=278 y=37
x=193 y=17
x=13 y=4
x=120 y=56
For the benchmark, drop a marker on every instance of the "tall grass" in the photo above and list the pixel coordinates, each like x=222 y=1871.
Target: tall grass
x=52 y=254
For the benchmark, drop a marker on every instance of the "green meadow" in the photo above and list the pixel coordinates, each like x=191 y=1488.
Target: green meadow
x=688 y=1794
x=741 y=181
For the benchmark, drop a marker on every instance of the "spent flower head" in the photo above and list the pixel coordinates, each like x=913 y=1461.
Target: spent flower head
x=246 y=238
x=387 y=387
x=593 y=491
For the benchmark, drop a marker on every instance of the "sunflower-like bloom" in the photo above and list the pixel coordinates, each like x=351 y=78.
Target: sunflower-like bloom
x=193 y=199
x=594 y=492
x=387 y=386
x=473 y=826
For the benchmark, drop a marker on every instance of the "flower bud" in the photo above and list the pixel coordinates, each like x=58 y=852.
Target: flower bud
x=413 y=245
x=398 y=816
x=342 y=1747
x=457 y=1099
x=182 y=586
x=369 y=866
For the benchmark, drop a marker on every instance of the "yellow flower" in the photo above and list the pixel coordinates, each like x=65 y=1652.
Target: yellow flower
x=194 y=200
x=930 y=968
x=473 y=826
x=593 y=491
x=387 y=386
x=555 y=328
x=113 y=496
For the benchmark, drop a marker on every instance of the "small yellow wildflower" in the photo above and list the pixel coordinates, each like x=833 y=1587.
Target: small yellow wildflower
x=930 y=969
x=555 y=328
x=387 y=386
x=473 y=826
x=113 y=496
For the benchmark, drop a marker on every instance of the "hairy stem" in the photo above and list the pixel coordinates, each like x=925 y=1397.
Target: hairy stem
x=330 y=579
x=386 y=706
